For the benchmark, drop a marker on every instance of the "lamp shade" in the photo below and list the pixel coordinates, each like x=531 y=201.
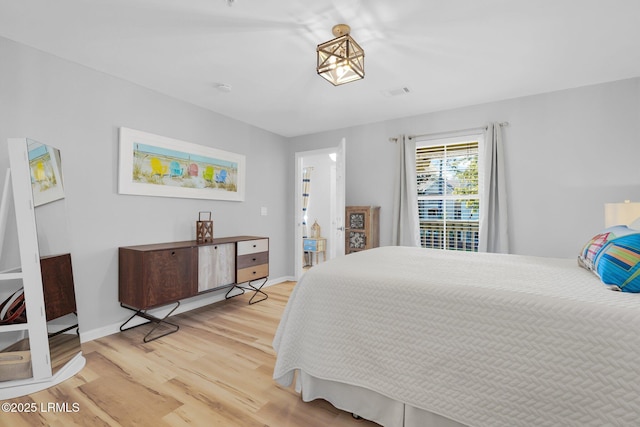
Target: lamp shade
x=620 y=213
x=340 y=60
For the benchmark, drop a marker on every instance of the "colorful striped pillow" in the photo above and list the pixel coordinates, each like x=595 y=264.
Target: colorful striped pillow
x=617 y=263
x=590 y=250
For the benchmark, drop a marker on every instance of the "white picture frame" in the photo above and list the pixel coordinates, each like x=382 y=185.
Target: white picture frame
x=154 y=165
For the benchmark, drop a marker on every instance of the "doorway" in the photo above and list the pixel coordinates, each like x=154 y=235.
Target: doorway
x=320 y=200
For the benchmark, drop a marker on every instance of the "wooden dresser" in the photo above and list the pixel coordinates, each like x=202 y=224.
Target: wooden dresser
x=362 y=228
x=164 y=273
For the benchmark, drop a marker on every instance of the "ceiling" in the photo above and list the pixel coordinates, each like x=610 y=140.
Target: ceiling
x=447 y=53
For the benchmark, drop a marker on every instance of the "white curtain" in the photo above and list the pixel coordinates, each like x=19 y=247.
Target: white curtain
x=493 y=208
x=406 y=224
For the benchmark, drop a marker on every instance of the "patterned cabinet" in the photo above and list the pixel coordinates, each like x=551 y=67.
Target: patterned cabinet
x=363 y=228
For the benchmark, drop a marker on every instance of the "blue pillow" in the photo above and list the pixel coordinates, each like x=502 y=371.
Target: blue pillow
x=590 y=250
x=617 y=263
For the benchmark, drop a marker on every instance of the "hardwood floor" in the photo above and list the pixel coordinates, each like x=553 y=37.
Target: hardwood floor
x=215 y=371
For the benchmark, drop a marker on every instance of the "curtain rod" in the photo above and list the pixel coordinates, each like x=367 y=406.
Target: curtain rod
x=455 y=131
x=502 y=124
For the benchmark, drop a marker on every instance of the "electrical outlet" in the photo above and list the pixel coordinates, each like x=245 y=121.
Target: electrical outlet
x=263 y=211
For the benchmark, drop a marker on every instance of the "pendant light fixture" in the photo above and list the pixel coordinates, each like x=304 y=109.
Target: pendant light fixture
x=340 y=60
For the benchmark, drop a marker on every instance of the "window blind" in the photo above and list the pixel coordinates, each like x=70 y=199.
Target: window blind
x=448 y=195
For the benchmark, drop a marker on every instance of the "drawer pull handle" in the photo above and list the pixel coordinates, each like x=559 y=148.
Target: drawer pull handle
x=254 y=246
x=173 y=253
x=253 y=259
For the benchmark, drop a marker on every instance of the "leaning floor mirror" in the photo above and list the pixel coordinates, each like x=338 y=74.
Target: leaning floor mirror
x=39 y=331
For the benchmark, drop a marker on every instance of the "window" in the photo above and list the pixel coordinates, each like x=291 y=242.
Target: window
x=449 y=193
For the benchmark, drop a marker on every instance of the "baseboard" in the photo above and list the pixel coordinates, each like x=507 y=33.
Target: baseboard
x=185 y=305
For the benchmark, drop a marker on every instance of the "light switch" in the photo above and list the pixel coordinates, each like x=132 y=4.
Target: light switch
x=263 y=211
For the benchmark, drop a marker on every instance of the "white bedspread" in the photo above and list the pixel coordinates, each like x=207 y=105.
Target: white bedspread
x=484 y=339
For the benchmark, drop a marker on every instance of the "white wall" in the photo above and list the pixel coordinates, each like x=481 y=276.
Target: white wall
x=79 y=111
x=567 y=153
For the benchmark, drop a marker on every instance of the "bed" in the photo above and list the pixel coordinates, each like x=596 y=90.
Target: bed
x=419 y=337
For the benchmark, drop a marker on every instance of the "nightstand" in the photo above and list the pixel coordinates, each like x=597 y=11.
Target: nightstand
x=315 y=245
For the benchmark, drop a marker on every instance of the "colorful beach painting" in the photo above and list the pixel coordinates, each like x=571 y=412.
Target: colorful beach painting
x=159 y=166
x=46 y=178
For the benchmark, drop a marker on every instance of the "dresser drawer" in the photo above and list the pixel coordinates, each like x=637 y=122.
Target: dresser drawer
x=250 y=260
x=253 y=246
x=314 y=244
x=252 y=273
x=310 y=245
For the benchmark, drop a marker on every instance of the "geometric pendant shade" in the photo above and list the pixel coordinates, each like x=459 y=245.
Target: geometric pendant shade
x=340 y=60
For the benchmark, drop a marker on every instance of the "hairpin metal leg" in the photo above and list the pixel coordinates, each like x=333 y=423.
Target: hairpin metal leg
x=251 y=288
x=151 y=319
x=258 y=290
x=235 y=286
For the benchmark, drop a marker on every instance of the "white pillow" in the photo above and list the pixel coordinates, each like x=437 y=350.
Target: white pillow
x=635 y=225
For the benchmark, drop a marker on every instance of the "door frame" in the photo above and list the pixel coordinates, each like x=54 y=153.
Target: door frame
x=340 y=192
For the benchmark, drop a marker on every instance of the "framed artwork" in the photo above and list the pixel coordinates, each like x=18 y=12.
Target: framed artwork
x=153 y=165
x=46 y=174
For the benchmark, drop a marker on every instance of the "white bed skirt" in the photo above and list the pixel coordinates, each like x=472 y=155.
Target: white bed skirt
x=368 y=404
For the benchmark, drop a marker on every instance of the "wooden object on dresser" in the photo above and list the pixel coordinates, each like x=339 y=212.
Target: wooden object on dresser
x=160 y=274
x=363 y=228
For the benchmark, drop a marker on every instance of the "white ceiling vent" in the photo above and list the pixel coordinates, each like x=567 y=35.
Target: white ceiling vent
x=396 y=92
x=222 y=87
